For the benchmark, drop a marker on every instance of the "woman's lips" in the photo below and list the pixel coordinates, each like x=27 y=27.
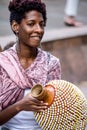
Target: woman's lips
x=36 y=37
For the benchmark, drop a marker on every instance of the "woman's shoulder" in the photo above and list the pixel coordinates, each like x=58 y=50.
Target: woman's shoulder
x=10 y=50
x=50 y=58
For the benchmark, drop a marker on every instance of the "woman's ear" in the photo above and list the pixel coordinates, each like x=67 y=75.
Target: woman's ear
x=15 y=26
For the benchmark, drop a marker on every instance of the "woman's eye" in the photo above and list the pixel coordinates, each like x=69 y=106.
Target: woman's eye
x=30 y=24
x=42 y=24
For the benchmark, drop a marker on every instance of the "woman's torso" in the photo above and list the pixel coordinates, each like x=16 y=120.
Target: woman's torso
x=45 y=67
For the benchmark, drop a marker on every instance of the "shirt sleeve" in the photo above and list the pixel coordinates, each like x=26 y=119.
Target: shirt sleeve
x=54 y=69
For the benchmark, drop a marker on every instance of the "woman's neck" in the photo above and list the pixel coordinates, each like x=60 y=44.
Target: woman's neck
x=26 y=55
x=26 y=51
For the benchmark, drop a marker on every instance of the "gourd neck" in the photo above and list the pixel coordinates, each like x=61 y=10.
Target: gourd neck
x=45 y=94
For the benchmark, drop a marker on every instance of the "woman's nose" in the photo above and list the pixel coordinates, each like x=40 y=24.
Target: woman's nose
x=38 y=28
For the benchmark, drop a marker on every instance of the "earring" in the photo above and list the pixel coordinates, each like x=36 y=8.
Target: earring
x=16 y=39
x=16 y=36
x=16 y=32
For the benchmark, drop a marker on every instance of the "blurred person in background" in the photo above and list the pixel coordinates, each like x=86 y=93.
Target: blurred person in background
x=8 y=45
x=71 y=9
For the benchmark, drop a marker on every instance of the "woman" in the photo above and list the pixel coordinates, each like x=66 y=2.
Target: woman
x=24 y=65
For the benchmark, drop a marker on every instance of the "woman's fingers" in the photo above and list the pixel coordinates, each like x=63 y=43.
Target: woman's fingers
x=38 y=108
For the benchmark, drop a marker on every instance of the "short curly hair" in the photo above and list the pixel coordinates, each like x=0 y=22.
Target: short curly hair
x=18 y=8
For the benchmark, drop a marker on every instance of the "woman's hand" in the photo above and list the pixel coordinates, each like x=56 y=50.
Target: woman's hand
x=28 y=103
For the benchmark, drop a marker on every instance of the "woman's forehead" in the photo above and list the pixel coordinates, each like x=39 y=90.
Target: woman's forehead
x=33 y=15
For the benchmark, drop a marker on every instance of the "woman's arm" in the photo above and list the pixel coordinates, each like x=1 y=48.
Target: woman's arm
x=8 y=113
x=28 y=103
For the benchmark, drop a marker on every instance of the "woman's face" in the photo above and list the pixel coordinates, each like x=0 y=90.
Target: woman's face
x=31 y=29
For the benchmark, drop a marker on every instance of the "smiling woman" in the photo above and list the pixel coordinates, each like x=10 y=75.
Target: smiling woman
x=23 y=65
x=31 y=29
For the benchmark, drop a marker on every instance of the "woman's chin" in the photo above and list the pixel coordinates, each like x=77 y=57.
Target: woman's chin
x=35 y=44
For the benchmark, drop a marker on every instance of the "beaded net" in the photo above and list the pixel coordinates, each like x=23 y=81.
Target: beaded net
x=68 y=110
